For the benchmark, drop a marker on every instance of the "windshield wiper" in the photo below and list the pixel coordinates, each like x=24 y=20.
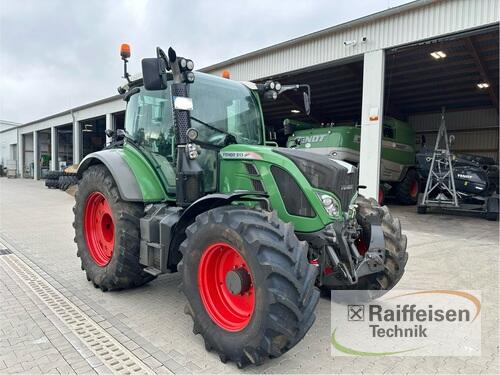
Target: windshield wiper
x=210 y=126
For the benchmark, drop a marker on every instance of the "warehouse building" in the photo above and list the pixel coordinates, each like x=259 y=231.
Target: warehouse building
x=407 y=62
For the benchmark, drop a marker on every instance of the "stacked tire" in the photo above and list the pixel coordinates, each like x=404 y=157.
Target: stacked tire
x=52 y=179
x=60 y=180
x=67 y=180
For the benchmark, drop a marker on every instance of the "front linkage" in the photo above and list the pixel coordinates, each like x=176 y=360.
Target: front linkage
x=342 y=254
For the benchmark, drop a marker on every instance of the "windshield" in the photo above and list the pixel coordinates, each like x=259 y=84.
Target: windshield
x=220 y=106
x=225 y=105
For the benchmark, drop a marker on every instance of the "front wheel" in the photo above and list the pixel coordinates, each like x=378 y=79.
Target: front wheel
x=107 y=232
x=395 y=248
x=249 y=286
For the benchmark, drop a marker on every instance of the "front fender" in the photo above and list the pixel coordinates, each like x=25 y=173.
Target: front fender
x=134 y=177
x=211 y=201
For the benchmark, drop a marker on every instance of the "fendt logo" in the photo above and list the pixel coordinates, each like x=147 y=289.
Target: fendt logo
x=312 y=138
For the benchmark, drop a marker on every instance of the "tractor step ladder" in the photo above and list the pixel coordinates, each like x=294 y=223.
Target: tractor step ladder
x=441 y=176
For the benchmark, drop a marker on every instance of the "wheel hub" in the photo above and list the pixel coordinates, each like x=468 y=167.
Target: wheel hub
x=414 y=189
x=226 y=287
x=99 y=229
x=238 y=281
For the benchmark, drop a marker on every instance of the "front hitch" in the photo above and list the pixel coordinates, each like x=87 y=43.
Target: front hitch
x=374 y=258
x=339 y=258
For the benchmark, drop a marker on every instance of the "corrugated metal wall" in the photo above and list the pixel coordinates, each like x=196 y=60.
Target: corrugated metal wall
x=435 y=18
x=475 y=131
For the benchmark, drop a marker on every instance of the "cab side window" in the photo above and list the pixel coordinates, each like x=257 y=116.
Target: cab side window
x=149 y=122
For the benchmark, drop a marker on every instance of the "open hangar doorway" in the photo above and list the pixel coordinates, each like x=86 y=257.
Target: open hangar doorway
x=459 y=73
x=336 y=95
x=119 y=120
x=64 y=146
x=28 y=156
x=93 y=135
x=44 y=152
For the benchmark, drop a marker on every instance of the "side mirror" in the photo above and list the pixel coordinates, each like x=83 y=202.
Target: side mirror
x=307 y=103
x=151 y=74
x=452 y=139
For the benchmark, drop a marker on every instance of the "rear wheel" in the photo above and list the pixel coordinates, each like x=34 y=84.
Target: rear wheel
x=107 y=232
x=381 y=195
x=249 y=286
x=407 y=190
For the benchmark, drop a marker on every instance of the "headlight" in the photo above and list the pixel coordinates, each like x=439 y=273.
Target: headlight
x=271 y=85
x=330 y=205
x=189 y=77
x=277 y=86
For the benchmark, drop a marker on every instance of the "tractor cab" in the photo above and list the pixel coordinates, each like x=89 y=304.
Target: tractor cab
x=224 y=112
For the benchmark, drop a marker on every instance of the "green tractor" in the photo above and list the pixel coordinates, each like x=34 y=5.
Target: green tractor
x=191 y=185
x=398 y=172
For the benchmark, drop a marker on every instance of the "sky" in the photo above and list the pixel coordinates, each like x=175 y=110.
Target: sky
x=58 y=54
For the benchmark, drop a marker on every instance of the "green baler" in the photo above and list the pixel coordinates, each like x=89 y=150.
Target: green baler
x=342 y=142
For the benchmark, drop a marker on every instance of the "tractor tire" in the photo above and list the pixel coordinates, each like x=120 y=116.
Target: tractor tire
x=491 y=216
x=62 y=183
x=406 y=191
x=107 y=232
x=53 y=175
x=249 y=285
x=52 y=183
x=422 y=210
x=395 y=249
x=67 y=180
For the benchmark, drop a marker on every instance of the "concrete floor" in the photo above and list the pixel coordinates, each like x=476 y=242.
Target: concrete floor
x=446 y=252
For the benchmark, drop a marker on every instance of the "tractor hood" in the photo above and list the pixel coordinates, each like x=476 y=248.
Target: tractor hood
x=325 y=173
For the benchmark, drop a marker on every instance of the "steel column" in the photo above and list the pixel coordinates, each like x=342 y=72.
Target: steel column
x=109 y=125
x=54 y=149
x=36 y=156
x=371 y=122
x=77 y=141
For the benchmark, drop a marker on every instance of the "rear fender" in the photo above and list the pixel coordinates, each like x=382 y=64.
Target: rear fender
x=148 y=188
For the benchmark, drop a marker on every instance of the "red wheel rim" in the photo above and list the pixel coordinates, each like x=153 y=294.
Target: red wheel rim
x=99 y=229
x=361 y=246
x=228 y=310
x=414 y=189
x=380 y=196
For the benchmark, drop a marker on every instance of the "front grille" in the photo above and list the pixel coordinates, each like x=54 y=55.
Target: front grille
x=296 y=202
x=325 y=174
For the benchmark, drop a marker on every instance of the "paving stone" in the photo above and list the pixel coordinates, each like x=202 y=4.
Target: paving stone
x=451 y=253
